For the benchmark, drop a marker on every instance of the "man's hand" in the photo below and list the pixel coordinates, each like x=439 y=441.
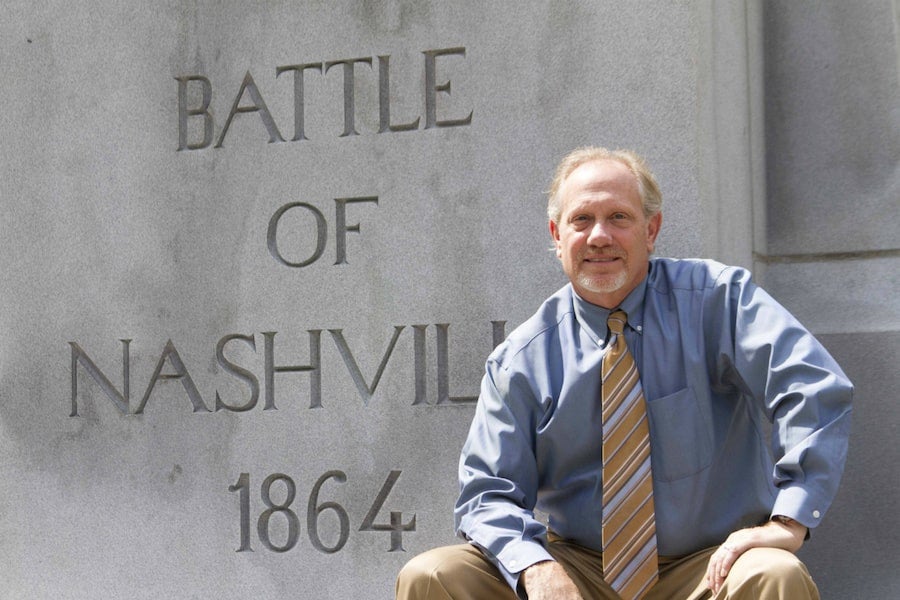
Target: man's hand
x=774 y=534
x=549 y=581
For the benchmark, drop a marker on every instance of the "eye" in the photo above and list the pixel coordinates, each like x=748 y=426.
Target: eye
x=579 y=219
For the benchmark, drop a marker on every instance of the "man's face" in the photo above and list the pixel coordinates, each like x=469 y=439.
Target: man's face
x=603 y=239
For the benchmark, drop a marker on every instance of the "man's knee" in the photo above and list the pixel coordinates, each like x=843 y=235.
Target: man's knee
x=459 y=571
x=771 y=573
x=415 y=578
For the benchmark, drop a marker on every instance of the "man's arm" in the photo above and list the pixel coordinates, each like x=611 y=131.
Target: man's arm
x=549 y=581
x=499 y=478
x=807 y=398
x=786 y=534
x=803 y=393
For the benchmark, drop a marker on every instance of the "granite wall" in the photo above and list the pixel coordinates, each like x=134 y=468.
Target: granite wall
x=254 y=256
x=832 y=252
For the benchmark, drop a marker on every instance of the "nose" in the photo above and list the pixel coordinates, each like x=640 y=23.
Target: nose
x=598 y=235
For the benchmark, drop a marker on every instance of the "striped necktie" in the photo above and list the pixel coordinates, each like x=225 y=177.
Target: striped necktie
x=628 y=526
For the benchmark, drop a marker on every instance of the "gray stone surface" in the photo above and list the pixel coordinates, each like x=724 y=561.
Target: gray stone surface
x=832 y=142
x=111 y=232
x=832 y=249
x=841 y=296
x=853 y=553
x=833 y=126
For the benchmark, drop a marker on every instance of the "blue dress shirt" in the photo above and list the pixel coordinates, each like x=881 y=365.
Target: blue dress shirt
x=749 y=417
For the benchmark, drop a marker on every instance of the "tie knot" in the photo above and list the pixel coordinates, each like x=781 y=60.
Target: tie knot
x=616 y=322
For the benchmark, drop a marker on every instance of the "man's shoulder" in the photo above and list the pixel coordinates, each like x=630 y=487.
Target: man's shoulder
x=691 y=274
x=538 y=332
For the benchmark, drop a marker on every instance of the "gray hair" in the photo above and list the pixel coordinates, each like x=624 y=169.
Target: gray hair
x=651 y=197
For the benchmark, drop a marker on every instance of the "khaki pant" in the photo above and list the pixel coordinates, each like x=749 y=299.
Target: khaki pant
x=462 y=572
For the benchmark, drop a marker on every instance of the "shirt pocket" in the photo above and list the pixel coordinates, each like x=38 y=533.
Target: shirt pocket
x=679 y=435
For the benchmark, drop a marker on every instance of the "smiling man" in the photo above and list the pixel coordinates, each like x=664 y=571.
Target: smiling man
x=631 y=410
x=603 y=234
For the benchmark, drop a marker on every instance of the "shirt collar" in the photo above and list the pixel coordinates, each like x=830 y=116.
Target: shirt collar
x=593 y=318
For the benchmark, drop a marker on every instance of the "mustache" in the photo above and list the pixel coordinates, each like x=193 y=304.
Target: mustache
x=603 y=252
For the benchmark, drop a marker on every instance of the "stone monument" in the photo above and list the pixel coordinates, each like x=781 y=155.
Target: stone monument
x=255 y=254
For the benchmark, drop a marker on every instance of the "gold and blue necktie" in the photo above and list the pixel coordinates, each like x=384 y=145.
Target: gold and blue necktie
x=628 y=532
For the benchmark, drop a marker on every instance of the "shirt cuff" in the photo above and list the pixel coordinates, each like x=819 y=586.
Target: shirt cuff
x=514 y=559
x=797 y=503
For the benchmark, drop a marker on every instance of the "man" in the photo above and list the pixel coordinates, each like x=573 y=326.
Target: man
x=747 y=418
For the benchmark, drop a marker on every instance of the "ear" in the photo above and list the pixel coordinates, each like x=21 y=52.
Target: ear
x=554 y=233
x=654 y=224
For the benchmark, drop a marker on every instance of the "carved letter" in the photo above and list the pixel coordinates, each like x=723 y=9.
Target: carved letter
x=349 y=96
x=419 y=355
x=239 y=372
x=169 y=352
x=384 y=99
x=431 y=89
x=184 y=112
x=443 y=369
x=341 y=227
x=498 y=329
x=321 y=234
x=298 y=94
x=259 y=105
x=120 y=400
x=315 y=373
x=365 y=390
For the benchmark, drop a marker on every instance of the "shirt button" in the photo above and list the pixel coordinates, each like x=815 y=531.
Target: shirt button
x=512 y=563
x=816 y=514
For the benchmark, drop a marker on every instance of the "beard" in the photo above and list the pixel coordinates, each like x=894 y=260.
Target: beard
x=603 y=284
x=607 y=282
